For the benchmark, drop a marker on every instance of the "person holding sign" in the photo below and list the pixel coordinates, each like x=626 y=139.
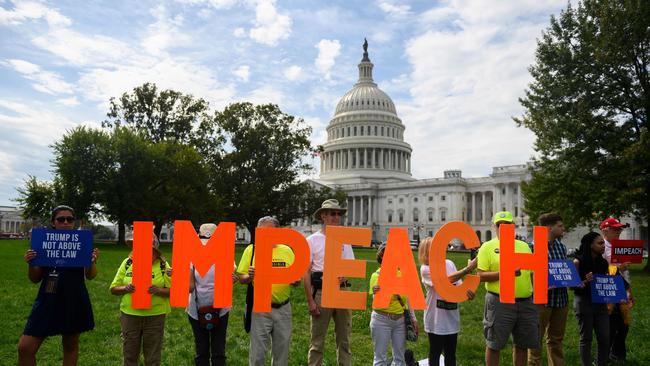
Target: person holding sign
x=620 y=314
x=591 y=316
x=387 y=325
x=442 y=318
x=553 y=314
x=62 y=305
x=330 y=214
x=209 y=325
x=272 y=328
x=143 y=328
x=501 y=319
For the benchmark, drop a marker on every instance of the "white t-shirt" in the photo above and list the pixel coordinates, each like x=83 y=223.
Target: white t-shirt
x=316 y=243
x=436 y=320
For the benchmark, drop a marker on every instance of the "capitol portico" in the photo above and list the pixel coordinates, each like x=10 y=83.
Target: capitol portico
x=366 y=156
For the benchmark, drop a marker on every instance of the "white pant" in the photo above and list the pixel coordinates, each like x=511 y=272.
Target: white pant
x=266 y=328
x=386 y=331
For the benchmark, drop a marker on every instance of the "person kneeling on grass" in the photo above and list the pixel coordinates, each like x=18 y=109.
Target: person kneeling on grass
x=387 y=325
x=143 y=328
x=62 y=305
x=441 y=318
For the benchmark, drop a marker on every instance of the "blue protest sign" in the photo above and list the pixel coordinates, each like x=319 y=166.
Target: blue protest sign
x=607 y=289
x=62 y=248
x=562 y=273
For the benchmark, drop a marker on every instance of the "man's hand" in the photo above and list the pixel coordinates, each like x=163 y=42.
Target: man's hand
x=589 y=277
x=129 y=289
x=154 y=290
x=470 y=295
x=375 y=289
x=517 y=272
x=313 y=307
x=251 y=273
x=235 y=277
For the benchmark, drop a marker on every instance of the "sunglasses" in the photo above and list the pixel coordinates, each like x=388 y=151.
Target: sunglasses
x=63 y=219
x=334 y=213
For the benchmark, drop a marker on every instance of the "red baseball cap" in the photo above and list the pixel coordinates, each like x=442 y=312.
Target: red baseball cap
x=611 y=222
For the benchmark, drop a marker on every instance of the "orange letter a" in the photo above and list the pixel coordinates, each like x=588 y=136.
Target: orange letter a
x=398 y=257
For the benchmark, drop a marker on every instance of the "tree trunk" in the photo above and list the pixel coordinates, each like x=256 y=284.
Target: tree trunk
x=121 y=233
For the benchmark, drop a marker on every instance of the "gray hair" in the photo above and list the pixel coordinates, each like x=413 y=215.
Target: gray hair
x=272 y=219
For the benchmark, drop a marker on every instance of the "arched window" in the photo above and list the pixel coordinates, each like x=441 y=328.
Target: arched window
x=389 y=213
x=478 y=233
x=416 y=215
x=488 y=235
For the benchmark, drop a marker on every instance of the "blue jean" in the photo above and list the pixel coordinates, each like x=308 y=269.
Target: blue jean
x=387 y=331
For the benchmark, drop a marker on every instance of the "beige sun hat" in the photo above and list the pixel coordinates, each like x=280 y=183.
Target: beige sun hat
x=206 y=230
x=330 y=204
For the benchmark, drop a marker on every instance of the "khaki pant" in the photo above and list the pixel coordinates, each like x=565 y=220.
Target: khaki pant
x=144 y=332
x=342 y=328
x=270 y=329
x=552 y=324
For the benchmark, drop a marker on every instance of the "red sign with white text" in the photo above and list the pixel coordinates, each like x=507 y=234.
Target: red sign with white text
x=627 y=251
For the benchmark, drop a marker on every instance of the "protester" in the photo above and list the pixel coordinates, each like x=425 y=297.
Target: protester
x=273 y=328
x=501 y=319
x=143 y=328
x=441 y=318
x=209 y=325
x=387 y=324
x=620 y=314
x=62 y=305
x=330 y=214
x=553 y=314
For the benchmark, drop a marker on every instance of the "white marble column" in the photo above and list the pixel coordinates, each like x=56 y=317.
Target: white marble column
x=370 y=213
x=483 y=197
x=473 y=207
x=519 y=197
x=356 y=152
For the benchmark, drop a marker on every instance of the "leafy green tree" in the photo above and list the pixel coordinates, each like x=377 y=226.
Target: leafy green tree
x=36 y=199
x=588 y=106
x=313 y=197
x=164 y=115
x=259 y=172
x=81 y=162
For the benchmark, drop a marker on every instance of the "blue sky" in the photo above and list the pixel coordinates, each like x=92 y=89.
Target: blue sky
x=453 y=68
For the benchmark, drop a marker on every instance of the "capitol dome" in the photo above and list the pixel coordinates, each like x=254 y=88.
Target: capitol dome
x=365 y=138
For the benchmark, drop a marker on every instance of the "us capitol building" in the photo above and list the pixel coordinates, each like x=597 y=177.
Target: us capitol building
x=366 y=156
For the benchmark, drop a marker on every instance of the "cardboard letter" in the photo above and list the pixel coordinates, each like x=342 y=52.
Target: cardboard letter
x=219 y=251
x=265 y=274
x=438 y=255
x=510 y=261
x=334 y=267
x=398 y=256
x=142 y=257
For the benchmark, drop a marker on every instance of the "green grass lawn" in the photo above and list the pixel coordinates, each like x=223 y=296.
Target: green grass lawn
x=102 y=346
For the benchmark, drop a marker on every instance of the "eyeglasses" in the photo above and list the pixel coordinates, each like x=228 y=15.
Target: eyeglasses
x=335 y=213
x=63 y=219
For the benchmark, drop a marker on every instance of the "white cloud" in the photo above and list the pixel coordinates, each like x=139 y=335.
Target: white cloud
x=270 y=26
x=44 y=81
x=70 y=102
x=266 y=94
x=164 y=33
x=465 y=83
x=243 y=73
x=394 y=10
x=81 y=49
x=217 y=4
x=328 y=51
x=24 y=10
x=239 y=32
x=293 y=73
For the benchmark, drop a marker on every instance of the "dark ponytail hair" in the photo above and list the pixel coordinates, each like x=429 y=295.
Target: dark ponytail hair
x=585 y=248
